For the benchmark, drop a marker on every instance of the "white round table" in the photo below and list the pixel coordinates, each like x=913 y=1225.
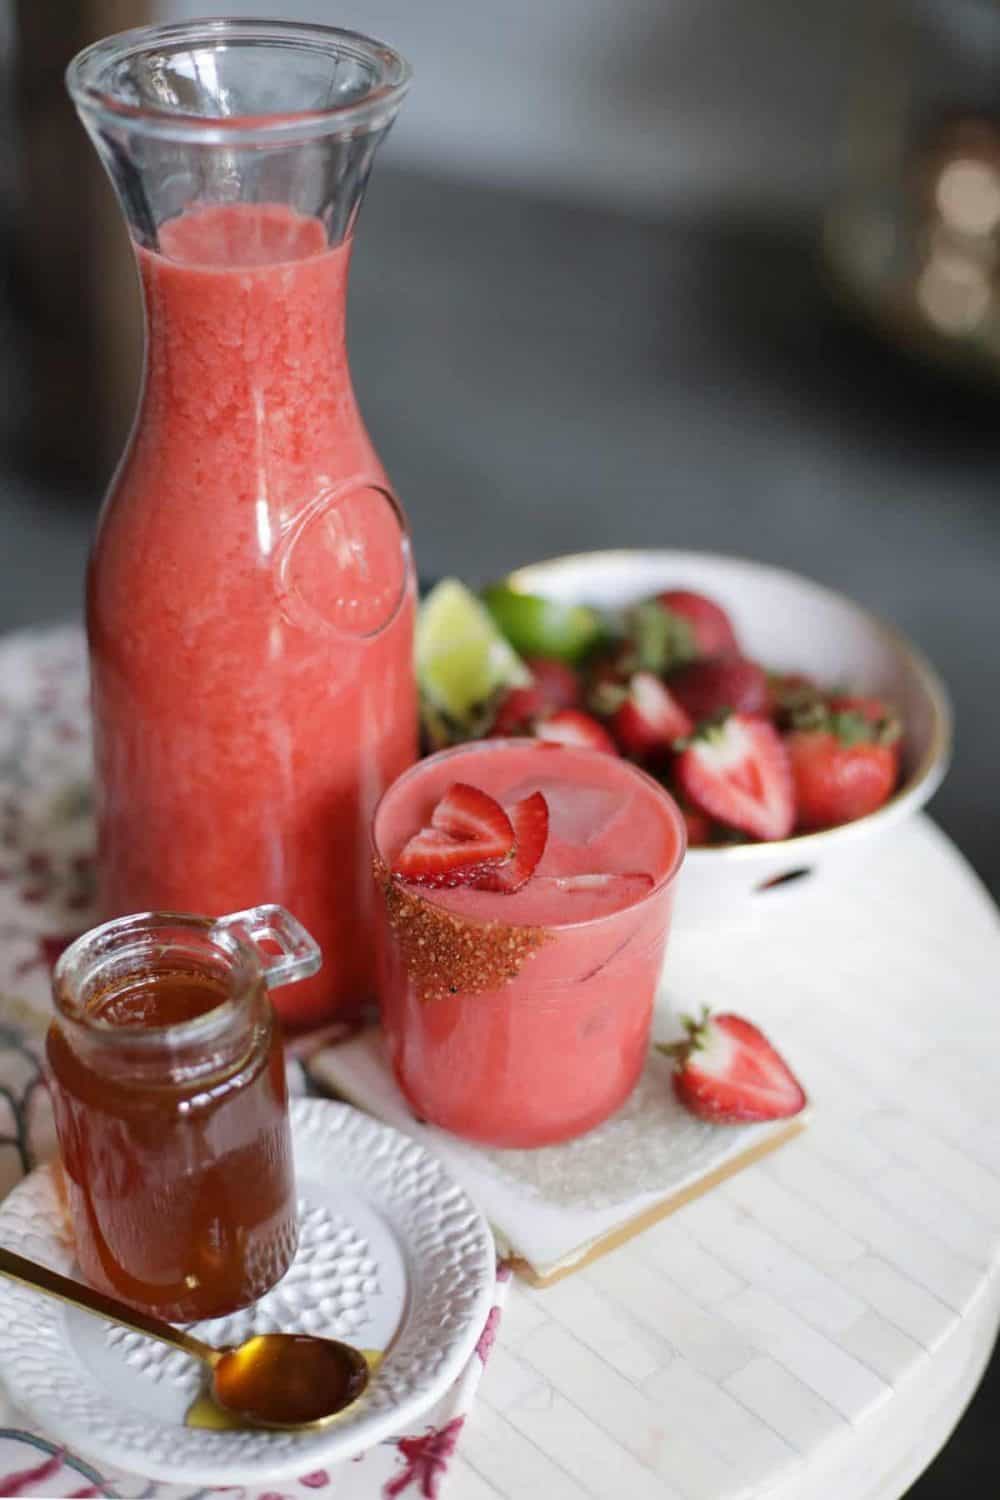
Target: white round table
x=813 y=1328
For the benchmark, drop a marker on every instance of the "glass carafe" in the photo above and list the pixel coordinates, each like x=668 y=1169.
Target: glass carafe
x=251 y=588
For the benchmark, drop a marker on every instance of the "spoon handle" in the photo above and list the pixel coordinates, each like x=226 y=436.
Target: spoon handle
x=42 y=1279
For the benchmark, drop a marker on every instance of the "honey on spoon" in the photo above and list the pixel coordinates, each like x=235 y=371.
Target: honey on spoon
x=291 y=1381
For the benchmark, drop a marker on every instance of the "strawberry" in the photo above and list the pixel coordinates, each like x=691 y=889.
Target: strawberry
x=571 y=726
x=875 y=711
x=554 y=686
x=726 y=1071
x=469 y=833
x=656 y=640
x=698 y=825
x=649 y=719
x=530 y=821
x=711 y=630
x=792 y=684
x=842 y=769
x=725 y=684
x=608 y=679
x=792 y=695
x=737 y=771
x=558 y=682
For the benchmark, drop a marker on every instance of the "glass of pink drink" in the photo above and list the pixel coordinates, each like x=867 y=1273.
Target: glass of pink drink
x=251 y=590
x=523 y=1019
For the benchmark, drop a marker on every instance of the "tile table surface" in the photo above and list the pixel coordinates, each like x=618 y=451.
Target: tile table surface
x=814 y=1326
x=811 y=1328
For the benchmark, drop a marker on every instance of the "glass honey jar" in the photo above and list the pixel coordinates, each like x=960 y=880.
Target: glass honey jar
x=167 y=1076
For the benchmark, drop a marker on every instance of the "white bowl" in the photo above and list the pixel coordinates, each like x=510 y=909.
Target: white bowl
x=789 y=624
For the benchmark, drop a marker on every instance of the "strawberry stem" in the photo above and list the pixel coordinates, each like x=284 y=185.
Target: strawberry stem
x=696 y=1037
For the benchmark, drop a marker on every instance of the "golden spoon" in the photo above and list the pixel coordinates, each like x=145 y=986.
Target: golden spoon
x=292 y=1381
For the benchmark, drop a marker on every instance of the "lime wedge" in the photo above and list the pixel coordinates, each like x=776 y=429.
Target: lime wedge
x=462 y=660
x=544 y=627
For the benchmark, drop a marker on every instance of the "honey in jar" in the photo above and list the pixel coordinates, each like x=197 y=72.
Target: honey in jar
x=167 y=1076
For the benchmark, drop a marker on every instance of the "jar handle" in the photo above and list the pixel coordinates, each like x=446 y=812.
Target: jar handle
x=299 y=954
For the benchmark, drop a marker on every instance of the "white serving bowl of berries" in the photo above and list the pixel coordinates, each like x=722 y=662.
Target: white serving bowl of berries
x=791 y=724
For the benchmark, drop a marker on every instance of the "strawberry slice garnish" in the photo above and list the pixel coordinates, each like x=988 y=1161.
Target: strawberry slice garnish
x=530 y=821
x=726 y=1071
x=432 y=858
x=467 y=812
x=727 y=685
x=469 y=834
x=571 y=726
x=650 y=718
x=738 y=772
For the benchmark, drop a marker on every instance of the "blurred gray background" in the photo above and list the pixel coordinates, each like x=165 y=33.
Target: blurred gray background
x=589 y=309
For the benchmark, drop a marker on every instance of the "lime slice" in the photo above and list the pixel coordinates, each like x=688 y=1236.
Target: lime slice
x=462 y=659
x=544 y=627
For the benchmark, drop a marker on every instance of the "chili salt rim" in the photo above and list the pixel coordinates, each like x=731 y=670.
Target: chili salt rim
x=446 y=954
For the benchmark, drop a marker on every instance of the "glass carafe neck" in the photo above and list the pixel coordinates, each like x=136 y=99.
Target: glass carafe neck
x=215 y=113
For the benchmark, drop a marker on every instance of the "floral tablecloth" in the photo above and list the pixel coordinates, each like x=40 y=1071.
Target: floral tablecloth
x=46 y=895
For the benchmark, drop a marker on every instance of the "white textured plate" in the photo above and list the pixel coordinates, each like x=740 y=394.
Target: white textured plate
x=393 y=1256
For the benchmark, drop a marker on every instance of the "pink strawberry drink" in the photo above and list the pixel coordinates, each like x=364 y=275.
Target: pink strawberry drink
x=250 y=601
x=521 y=1019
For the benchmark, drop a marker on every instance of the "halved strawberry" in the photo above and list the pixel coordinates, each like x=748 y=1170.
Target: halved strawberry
x=469 y=833
x=554 y=686
x=573 y=727
x=650 y=717
x=737 y=771
x=726 y=1071
x=710 y=626
x=530 y=821
x=726 y=685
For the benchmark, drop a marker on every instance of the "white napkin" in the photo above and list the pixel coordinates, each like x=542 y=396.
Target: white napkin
x=553 y=1207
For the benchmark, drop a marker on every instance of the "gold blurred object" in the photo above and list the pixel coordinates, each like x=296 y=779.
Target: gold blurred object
x=913 y=231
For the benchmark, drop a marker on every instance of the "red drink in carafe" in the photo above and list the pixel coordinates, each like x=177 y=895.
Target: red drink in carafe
x=250 y=600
